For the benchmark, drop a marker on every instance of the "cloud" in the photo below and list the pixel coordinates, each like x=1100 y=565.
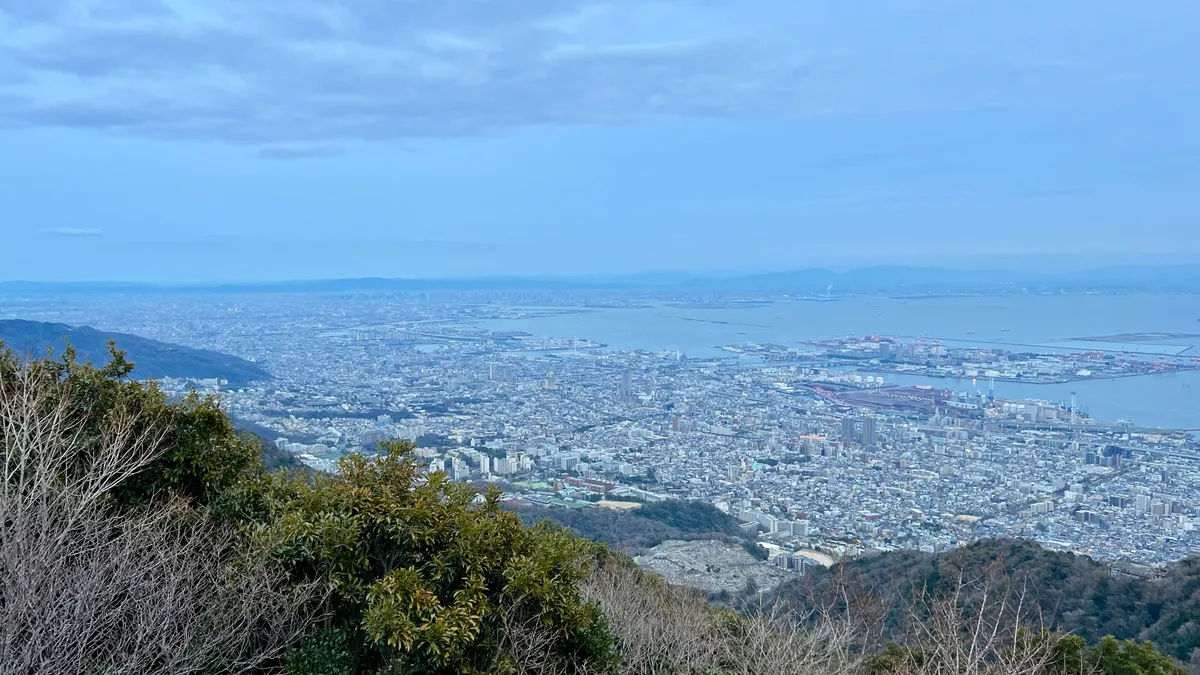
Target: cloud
x=285 y=74
x=319 y=245
x=448 y=246
x=73 y=232
x=297 y=151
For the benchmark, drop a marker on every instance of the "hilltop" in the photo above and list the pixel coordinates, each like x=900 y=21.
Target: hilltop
x=152 y=359
x=1075 y=593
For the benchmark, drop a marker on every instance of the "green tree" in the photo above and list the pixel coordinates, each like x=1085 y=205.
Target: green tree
x=430 y=576
x=1130 y=657
x=206 y=461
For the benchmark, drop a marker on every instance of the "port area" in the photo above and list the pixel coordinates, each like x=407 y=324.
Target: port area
x=1051 y=364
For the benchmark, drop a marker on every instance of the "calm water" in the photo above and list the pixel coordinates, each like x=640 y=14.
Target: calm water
x=1160 y=400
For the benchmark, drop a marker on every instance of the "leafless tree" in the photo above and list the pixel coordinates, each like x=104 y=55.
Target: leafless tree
x=85 y=588
x=662 y=628
x=984 y=626
x=772 y=640
x=527 y=645
x=988 y=625
x=659 y=628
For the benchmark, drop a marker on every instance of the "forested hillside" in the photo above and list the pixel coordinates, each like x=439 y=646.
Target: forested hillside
x=1074 y=593
x=151 y=358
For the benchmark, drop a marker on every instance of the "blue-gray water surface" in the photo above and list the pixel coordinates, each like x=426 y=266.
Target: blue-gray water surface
x=1032 y=321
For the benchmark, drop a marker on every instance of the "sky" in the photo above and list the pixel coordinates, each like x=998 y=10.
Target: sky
x=233 y=140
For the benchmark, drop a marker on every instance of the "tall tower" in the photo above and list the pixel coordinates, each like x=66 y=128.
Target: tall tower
x=849 y=433
x=869 y=431
x=1072 y=408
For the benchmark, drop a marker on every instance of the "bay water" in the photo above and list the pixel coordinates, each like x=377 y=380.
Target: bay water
x=1018 y=322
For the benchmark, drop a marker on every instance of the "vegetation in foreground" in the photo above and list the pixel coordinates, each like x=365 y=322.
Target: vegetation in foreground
x=141 y=535
x=1074 y=593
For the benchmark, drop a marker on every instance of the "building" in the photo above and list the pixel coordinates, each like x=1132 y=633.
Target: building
x=768 y=522
x=502 y=466
x=849 y=430
x=796 y=562
x=870 y=434
x=1041 y=507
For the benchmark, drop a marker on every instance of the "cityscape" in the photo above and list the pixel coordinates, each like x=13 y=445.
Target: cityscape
x=345 y=337
x=809 y=444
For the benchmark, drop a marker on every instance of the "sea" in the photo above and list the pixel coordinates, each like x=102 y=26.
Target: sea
x=1153 y=325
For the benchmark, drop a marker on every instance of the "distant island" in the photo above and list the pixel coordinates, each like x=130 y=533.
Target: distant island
x=152 y=359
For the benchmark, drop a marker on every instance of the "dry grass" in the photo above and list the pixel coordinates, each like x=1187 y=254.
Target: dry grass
x=663 y=629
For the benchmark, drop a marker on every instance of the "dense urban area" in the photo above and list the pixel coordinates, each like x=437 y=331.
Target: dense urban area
x=806 y=443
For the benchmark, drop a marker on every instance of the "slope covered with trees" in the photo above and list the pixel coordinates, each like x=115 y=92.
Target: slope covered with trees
x=152 y=359
x=1074 y=593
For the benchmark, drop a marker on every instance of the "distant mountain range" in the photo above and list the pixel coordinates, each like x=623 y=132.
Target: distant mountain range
x=152 y=359
x=879 y=279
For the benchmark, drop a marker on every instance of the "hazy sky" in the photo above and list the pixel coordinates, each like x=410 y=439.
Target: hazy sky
x=203 y=140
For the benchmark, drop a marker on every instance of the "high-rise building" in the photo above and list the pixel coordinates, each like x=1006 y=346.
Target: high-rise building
x=502 y=466
x=768 y=522
x=625 y=390
x=458 y=469
x=849 y=432
x=869 y=431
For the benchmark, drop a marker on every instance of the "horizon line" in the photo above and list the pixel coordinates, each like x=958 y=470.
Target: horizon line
x=633 y=279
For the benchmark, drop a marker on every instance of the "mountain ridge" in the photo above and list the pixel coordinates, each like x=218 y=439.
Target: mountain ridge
x=152 y=359
x=878 y=278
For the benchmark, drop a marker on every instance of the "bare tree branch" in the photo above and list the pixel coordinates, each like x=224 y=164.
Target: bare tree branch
x=85 y=589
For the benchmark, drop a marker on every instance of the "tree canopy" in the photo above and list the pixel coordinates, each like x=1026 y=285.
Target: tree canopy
x=429 y=576
x=204 y=460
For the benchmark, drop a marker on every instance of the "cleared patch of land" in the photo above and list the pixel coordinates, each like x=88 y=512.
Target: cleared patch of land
x=620 y=506
x=824 y=559
x=711 y=566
